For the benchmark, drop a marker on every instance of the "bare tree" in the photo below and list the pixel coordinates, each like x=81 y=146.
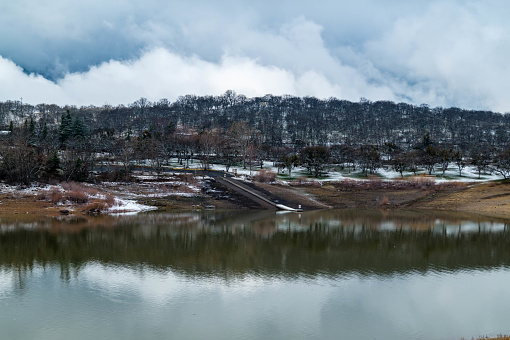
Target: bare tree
x=242 y=135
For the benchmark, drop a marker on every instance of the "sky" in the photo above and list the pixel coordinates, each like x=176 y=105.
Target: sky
x=110 y=52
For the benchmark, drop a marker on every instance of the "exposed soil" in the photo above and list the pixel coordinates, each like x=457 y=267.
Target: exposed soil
x=488 y=199
x=335 y=197
x=289 y=196
x=18 y=205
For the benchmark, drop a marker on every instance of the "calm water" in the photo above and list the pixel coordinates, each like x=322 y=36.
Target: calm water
x=255 y=275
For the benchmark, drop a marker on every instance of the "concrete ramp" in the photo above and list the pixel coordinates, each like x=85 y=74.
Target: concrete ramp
x=253 y=194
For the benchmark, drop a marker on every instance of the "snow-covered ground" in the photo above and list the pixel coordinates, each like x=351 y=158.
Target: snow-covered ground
x=469 y=174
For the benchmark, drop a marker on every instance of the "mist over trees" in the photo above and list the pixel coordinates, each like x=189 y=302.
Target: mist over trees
x=66 y=142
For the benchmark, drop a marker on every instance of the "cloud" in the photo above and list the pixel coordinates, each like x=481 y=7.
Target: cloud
x=161 y=74
x=295 y=62
x=449 y=55
x=14 y=83
x=440 y=53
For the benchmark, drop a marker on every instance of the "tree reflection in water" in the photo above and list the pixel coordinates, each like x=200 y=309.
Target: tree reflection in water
x=232 y=244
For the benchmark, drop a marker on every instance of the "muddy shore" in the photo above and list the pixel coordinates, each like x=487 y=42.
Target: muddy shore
x=491 y=199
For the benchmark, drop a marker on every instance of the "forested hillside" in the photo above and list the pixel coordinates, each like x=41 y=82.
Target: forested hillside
x=232 y=129
x=286 y=120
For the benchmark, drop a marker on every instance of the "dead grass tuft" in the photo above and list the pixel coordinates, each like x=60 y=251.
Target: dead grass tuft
x=73 y=186
x=96 y=207
x=54 y=195
x=498 y=337
x=109 y=199
x=77 y=197
x=419 y=182
x=184 y=189
x=305 y=181
x=265 y=176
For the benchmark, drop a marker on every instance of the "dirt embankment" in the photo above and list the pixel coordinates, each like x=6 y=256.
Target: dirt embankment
x=489 y=199
x=29 y=205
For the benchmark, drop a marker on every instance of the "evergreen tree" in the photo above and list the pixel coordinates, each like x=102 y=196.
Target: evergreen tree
x=79 y=129
x=44 y=132
x=66 y=127
x=52 y=166
x=31 y=126
x=80 y=171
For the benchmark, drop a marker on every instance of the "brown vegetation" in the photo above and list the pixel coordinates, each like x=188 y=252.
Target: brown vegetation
x=78 y=194
x=498 y=337
x=265 y=176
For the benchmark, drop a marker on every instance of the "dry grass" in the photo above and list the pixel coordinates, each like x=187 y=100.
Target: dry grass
x=96 y=206
x=54 y=195
x=186 y=177
x=185 y=189
x=421 y=179
x=77 y=187
x=109 y=199
x=100 y=205
x=418 y=182
x=306 y=182
x=77 y=197
x=265 y=176
x=74 y=193
x=498 y=337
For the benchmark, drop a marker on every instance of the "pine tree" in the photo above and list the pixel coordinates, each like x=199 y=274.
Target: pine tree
x=31 y=126
x=65 y=129
x=78 y=129
x=44 y=132
x=52 y=166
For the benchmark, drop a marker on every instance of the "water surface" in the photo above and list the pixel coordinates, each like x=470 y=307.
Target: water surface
x=255 y=275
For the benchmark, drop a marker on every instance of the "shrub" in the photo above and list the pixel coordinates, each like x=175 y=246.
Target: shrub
x=109 y=199
x=53 y=195
x=77 y=196
x=305 y=181
x=96 y=207
x=265 y=176
x=73 y=186
x=56 y=196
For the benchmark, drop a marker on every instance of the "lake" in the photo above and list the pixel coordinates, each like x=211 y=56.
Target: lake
x=334 y=274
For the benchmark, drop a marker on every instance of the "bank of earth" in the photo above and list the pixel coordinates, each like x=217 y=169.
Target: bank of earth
x=491 y=199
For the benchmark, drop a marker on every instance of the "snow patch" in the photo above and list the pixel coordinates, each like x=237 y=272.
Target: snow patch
x=127 y=207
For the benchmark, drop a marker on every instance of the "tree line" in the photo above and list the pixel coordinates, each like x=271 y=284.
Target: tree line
x=50 y=142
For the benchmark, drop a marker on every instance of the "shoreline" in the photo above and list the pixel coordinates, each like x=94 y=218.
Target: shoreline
x=489 y=199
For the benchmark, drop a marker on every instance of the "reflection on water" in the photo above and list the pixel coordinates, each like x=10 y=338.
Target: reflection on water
x=322 y=274
x=236 y=243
